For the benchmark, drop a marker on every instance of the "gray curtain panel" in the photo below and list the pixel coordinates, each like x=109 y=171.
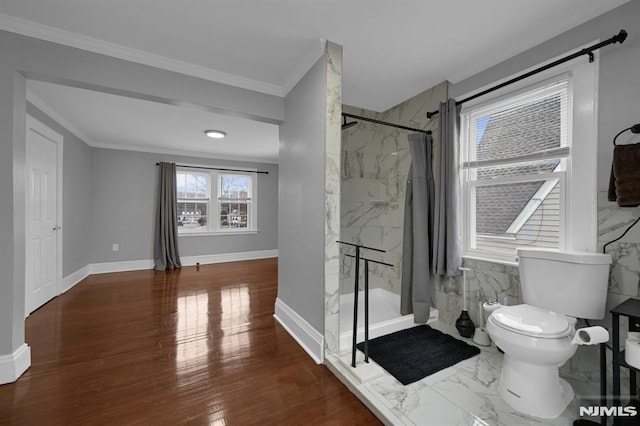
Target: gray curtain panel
x=165 y=245
x=416 y=291
x=447 y=230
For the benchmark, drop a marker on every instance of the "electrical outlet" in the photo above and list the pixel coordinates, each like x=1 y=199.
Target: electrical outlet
x=116 y=247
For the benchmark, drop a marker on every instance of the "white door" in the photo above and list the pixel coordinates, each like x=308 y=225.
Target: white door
x=43 y=154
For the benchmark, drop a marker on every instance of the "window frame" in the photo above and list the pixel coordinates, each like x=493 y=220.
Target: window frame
x=251 y=223
x=578 y=205
x=214 y=197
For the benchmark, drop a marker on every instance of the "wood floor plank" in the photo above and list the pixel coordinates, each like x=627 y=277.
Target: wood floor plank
x=196 y=346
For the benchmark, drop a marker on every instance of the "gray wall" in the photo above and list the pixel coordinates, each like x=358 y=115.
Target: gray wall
x=25 y=57
x=619 y=91
x=109 y=197
x=123 y=194
x=301 y=198
x=12 y=208
x=76 y=175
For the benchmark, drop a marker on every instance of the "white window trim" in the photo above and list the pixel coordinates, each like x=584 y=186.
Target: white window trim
x=578 y=213
x=214 y=200
x=252 y=225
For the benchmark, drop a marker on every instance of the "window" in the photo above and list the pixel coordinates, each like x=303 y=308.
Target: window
x=212 y=201
x=234 y=201
x=193 y=190
x=518 y=185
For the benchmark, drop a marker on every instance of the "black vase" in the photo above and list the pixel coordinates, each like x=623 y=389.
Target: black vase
x=465 y=325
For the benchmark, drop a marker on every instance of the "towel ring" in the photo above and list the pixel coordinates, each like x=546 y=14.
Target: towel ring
x=634 y=129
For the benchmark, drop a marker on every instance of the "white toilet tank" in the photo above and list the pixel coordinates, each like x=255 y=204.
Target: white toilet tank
x=571 y=283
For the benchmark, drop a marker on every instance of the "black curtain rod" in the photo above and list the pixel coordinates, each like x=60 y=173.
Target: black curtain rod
x=618 y=38
x=384 y=123
x=218 y=168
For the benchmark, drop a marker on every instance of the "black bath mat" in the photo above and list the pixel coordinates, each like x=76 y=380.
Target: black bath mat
x=415 y=353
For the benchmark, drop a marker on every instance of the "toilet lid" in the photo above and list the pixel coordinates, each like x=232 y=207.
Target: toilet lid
x=532 y=321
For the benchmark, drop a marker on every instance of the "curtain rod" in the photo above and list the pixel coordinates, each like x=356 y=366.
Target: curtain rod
x=384 y=123
x=218 y=168
x=618 y=38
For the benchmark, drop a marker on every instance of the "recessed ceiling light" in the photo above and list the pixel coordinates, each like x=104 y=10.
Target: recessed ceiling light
x=216 y=134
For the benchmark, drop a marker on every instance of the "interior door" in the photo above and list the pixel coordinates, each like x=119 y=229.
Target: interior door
x=43 y=151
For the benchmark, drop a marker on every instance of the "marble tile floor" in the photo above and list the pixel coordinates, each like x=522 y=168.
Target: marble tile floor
x=465 y=394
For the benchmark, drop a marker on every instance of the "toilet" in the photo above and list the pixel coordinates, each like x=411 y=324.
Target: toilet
x=557 y=288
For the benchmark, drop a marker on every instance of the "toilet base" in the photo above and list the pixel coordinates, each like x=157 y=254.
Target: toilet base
x=535 y=390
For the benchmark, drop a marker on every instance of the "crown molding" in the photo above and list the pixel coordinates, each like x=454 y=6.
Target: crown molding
x=184 y=153
x=58 y=118
x=67 y=38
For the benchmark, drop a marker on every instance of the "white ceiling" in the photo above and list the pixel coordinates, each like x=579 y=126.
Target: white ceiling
x=112 y=121
x=393 y=50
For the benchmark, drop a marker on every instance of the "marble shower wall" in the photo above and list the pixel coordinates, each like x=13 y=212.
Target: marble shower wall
x=486 y=281
x=625 y=271
x=624 y=279
x=333 y=56
x=375 y=165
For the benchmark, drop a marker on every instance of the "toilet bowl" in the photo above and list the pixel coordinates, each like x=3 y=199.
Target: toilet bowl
x=535 y=342
x=536 y=336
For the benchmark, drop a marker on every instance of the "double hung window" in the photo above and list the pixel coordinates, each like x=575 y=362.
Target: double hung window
x=517 y=151
x=211 y=201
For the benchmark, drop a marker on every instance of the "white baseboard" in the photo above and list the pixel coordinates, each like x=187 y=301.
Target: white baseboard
x=137 y=265
x=228 y=257
x=74 y=278
x=123 y=266
x=13 y=365
x=308 y=337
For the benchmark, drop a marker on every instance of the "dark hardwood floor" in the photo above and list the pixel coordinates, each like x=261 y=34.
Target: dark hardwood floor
x=196 y=347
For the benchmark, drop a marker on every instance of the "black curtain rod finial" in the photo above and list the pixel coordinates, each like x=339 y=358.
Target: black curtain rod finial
x=620 y=37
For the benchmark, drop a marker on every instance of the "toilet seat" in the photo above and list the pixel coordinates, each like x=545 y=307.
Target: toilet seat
x=533 y=321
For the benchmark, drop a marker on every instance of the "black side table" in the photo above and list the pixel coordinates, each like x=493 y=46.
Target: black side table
x=603 y=390
x=630 y=308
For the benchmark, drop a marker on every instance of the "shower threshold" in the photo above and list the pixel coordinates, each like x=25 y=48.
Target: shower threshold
x=384 y=316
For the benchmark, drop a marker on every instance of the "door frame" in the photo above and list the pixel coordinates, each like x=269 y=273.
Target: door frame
x=37 y=126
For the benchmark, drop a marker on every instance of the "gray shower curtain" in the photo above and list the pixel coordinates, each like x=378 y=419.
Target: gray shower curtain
x=432 y=237
x=416 y=289
x=447 y=232
x=165 y=245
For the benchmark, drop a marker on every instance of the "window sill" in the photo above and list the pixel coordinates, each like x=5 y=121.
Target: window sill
x=219 y=233
x=484 y=258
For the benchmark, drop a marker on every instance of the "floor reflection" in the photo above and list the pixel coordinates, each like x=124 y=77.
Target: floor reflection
x=235 y=309
x=192 y=330
x=199 y=330
x=217 y=415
